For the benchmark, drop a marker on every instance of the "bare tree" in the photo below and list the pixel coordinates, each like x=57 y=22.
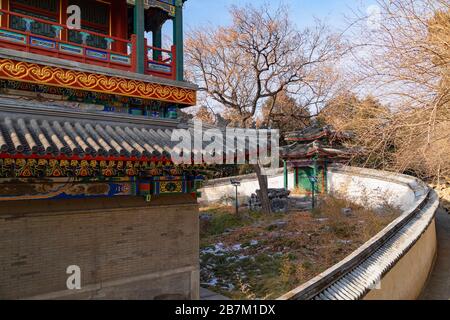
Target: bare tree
x=258 y=57
x=403 y=58
x=285 y=114
x=205 y=115
x=370 y=121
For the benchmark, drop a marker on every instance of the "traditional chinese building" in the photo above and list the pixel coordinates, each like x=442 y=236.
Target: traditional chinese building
x=309 y=153
x=86 y=177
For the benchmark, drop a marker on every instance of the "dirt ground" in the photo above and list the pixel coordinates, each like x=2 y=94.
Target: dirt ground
x=256 y=256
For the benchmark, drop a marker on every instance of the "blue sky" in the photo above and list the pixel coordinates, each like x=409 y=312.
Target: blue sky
x=201 y=12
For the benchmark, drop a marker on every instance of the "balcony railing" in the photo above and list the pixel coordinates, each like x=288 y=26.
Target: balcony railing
x=107 y=51
x=160 y=62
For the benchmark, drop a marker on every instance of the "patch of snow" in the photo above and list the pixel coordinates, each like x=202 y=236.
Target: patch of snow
x=218 y=250
x=208 y=251
x=345 y=241
x=228 y=287
x=237 y=247
x=219 y=247
x=231 y=258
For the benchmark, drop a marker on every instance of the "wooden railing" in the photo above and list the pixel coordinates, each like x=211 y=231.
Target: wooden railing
x=116 y=53
x=160 y=62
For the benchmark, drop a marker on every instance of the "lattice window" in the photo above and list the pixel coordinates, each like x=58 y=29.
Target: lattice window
x=94 y=17
x=43 y=9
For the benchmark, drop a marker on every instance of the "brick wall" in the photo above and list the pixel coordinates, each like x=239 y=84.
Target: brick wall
x=125 y=247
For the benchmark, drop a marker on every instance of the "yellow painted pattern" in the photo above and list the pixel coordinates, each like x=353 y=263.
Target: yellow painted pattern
x=68 y=78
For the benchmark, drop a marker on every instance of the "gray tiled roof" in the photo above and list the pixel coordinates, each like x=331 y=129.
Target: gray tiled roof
x=314 y=132
x=301 y=151
x=38 y=129
x=27 y=134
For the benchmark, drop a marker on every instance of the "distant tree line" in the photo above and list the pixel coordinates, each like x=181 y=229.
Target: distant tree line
x=387 y=81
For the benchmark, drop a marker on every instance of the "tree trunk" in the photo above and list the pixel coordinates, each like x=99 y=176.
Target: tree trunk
x=263 y=190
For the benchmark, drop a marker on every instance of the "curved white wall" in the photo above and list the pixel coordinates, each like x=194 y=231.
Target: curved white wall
x=216 y=190
x=409 y=242
x=407 y=279
x=374 y=188
x=364 y=186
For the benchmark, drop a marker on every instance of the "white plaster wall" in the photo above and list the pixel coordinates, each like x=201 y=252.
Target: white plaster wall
x=373 y=188
x=407 y=279
x=370 y=188
x=364 y=186
x=214 y=192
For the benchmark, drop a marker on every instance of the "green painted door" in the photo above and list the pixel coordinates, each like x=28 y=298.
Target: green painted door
x=304 y=183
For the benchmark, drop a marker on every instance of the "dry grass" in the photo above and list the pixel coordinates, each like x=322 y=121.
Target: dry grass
x=443 y=191
x=280 y=252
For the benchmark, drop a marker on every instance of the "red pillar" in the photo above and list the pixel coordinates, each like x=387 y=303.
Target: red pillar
x=5 y=6
x=119 y=24
x=63 y=9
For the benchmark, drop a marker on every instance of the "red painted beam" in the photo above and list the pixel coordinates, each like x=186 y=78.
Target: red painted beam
x=86 y=158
